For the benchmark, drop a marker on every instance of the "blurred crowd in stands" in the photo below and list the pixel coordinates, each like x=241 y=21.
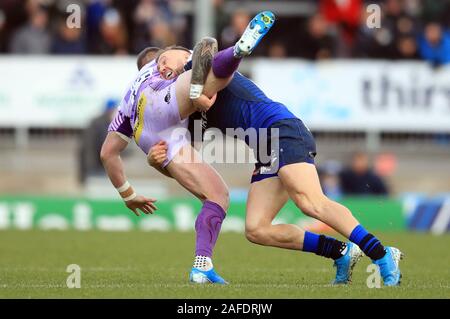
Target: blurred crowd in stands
x=410 y=29
x=361 y=176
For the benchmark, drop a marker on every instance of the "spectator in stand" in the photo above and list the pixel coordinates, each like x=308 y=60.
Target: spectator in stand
x=145 y=12
x=92 y=141
x=345 y=17
x=95 y=10
x=317 y=43
x=433 y=10
x=398 y=25
x=222 y=18
x=359 y=178
x=277 y=50
x=155 y=24
x=232 y=33
x=406 y=48
x=34 y=37
x=393 y=40
x=2 y=31
x=161 y=34
x=338 y=29
x=329 y=179
x=179 y=26
x=434 y=44
x=113 y=34
x=366 y=43
x=68 y=40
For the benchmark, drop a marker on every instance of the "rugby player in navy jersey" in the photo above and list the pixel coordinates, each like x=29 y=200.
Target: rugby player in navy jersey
x=288 y=173
x=156 y=107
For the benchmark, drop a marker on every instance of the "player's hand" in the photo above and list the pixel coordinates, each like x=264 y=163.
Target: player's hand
x=204 y=103
x=157 y=154
x=145 y=205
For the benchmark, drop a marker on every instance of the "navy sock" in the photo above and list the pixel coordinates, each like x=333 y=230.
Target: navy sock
x=368 y=243
x=323 y=245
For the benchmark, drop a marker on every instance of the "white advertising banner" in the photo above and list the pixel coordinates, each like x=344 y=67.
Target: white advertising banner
x=360 y=95
x=59 y=91
x=336 y=95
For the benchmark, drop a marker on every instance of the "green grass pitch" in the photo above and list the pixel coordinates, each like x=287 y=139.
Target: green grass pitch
x=156 y=265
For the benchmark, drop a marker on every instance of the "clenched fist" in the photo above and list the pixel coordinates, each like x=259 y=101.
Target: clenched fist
x=157 y=154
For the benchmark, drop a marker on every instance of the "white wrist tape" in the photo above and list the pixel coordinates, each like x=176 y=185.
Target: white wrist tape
x=195 y=91
x=124 y=187
x=131 y=197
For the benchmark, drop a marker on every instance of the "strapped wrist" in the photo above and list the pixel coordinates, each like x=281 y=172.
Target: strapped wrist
x=124 y=187
x=195 y=91
x=126 y=192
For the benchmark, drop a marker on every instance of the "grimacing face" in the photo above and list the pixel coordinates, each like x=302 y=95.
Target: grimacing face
x=171 y=63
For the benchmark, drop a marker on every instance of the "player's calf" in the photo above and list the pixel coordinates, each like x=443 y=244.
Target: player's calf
x=202 y=58
x=207 y=228
x=312 y=206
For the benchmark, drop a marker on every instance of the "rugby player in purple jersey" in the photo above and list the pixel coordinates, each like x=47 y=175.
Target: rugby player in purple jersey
x=156 y=107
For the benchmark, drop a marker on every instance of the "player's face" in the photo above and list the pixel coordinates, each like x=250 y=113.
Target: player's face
x=171 y=63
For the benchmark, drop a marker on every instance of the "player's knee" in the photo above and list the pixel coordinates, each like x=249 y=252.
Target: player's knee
x=220 y=197
x=105 y=154
x=224 y=201
x=254 y=234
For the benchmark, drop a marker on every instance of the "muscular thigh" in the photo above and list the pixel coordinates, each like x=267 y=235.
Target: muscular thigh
x=301 y=181
x=182 y=86
x=198 y=177
x=265 y=199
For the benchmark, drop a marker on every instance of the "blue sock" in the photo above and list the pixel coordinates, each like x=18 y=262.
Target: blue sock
x=369 y=244
x=311 y=242
x=323 y=245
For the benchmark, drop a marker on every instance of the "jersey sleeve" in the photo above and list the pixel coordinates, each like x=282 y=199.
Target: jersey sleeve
x=121 y=122
x=188 y=65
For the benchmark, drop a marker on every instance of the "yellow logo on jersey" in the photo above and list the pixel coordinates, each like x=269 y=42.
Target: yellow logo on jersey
x=139 y=124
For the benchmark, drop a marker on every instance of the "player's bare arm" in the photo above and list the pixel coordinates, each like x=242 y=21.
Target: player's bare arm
x=110 y=155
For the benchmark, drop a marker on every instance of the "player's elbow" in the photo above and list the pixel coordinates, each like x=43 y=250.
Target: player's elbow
x=106 y=153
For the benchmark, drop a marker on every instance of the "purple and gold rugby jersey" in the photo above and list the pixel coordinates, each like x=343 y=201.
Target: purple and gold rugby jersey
x=149 y=113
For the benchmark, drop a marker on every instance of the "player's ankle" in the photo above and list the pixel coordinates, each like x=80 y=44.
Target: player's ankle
x=203 y=263
x=236 y=51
